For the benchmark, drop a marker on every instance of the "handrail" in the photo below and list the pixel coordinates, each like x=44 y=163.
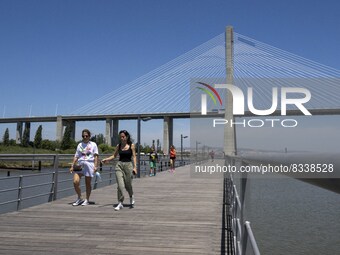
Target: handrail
x=21 y=188
x=54 y=181
x=249 y=233
x=240 y=234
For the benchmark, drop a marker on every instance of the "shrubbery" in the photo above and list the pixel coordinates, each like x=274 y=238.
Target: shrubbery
x=105 y=149
x=50 y=145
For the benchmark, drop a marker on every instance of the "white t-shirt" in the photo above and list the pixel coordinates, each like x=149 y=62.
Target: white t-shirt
x=86 y=151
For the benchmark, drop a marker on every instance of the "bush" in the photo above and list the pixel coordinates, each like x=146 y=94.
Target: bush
x=50 y=145
x=104 y=148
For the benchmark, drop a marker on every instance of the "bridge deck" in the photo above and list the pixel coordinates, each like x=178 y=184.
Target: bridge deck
x=174 y=214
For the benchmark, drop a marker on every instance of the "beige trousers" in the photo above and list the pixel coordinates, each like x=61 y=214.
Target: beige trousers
x=124 y=179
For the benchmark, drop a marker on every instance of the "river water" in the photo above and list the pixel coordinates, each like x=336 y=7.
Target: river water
x=289 y=216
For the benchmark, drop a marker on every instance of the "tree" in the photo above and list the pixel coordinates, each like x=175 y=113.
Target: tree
x=5 y=138
x=26 y=136
x=67 y=141
x=38 y=137
x=98 y=139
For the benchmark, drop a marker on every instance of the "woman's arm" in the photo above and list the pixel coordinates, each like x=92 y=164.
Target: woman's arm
x=75 y=159
x=133 y=148
x=96 y=162
x=112 y=156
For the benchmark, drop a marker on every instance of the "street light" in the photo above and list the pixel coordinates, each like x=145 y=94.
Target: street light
x=197 y=143
x=138 y=141
x=182 y=137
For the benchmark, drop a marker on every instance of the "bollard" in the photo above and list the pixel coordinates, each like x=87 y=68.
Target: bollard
x=8 y=173
x=39 y=165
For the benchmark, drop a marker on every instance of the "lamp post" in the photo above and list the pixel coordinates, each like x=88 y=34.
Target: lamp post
x=138 y=141
x=138 y=147
x=197 y=143
x=182 y=137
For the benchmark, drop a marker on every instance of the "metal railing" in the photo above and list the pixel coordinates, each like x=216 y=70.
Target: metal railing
x=33 y=189
x=238 y=229
x=56 y=182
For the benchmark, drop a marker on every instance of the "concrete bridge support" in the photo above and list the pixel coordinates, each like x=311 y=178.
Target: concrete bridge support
x=18 y=137
x=60 y=129
x=111 y=132
x=28 y=128
x=19 y=131
x=61 y=124
x=167 y=134
x=72 y=124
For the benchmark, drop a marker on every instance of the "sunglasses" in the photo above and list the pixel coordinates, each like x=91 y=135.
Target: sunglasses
x=85 y=136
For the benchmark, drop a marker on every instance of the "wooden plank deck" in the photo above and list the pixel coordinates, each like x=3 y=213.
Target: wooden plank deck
x=174 y=214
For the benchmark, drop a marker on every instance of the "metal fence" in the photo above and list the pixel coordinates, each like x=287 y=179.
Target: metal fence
x=238 y=235
x=54 y=181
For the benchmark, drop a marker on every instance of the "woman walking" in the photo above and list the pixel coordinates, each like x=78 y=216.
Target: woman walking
x=153 y=159
x=85 y=163
x=172 y=158
x=124 y=168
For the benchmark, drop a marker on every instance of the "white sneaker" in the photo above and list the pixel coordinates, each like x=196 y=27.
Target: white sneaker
x=118 y=207
x=78 y=202
x=86 y=202
x=132 y=201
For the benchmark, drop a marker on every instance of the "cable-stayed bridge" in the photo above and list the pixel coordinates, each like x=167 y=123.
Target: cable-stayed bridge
x=167 y=88
x=166 y=92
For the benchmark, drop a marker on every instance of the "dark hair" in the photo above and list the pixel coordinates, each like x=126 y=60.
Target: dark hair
x=86 y=131
x=128 y=138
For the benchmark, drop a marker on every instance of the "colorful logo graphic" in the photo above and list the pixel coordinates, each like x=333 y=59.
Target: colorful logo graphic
x=211 y=92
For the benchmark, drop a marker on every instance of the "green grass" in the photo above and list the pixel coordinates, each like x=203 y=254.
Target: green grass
x=24 y=150
x=17 y=149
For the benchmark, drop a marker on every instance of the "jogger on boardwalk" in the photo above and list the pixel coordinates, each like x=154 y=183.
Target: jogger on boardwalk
x=172 y=158
x=153 y=159
x=124 y=168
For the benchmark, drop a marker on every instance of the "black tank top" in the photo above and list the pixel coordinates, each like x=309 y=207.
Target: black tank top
x=125 y=156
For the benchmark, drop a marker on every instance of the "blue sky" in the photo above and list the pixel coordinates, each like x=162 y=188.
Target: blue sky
x=55 y=56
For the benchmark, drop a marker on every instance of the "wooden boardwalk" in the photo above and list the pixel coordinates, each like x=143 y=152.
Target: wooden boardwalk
x=174 y=214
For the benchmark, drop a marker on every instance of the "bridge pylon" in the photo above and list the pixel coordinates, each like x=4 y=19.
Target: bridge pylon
x=229 y=130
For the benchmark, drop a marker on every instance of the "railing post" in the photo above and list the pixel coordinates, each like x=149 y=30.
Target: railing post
x=252 y=240
x=56 y=169
x=244 y=240
x=19 y=193
x=110 y=175
x=51 y=196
